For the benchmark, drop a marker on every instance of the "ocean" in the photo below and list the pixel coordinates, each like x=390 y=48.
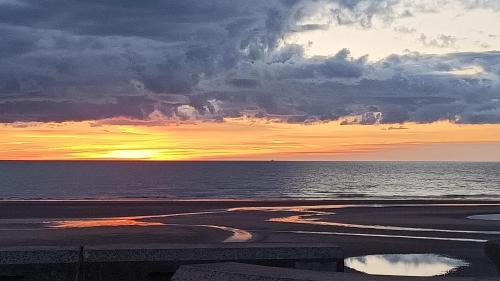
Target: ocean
x=248 y=180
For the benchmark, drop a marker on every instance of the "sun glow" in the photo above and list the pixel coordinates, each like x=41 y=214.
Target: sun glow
x=129 y=154
x=244 y=138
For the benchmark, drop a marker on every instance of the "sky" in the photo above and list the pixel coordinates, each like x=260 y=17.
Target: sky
x=250 y=80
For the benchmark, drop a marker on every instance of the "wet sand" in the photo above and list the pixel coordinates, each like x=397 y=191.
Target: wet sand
x=360 y=227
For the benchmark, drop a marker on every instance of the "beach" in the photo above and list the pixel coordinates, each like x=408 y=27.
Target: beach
x=452 y=228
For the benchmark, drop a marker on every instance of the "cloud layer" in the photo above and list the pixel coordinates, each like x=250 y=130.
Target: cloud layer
x=206 y=60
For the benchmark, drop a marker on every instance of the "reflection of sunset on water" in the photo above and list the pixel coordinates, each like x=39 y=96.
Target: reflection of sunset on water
x=111 y=222
x=405 y=264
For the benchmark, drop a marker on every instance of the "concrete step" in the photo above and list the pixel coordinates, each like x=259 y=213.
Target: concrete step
x=247 y=272
x=492 y=249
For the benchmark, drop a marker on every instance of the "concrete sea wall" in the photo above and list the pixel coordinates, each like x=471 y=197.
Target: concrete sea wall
x=154 y=262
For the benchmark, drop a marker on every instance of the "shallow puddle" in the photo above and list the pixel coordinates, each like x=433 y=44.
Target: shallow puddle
x=405 y=264
x=486 y=217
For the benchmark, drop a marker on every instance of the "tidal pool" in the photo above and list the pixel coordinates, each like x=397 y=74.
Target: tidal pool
x=405 y=264
x=486 y=217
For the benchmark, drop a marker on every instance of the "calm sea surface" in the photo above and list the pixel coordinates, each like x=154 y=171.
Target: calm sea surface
x=176 y=180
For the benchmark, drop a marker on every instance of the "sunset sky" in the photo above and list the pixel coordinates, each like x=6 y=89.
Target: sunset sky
x=250 y=80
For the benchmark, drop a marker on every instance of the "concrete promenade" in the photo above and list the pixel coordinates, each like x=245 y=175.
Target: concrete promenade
x=249 y=272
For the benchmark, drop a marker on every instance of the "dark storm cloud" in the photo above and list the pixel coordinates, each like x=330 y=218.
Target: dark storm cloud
x=60 y=111
x=90 y=60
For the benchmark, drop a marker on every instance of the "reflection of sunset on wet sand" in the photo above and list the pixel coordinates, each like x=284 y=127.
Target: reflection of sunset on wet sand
x=237 y=235
x=308 y=215
x=111 y=222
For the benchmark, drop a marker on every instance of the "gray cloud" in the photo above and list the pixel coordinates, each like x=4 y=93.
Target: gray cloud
x=441 y=41
x=405 y=29
x=91 y=60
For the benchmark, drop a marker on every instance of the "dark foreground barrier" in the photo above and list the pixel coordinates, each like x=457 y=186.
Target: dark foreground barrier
x=159 y=262
x=40 y=263
x=492 y=249
x=155 y=262
x=248 y=272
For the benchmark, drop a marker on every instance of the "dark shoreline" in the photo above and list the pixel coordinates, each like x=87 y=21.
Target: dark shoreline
x=272 y=200
x=147 y=206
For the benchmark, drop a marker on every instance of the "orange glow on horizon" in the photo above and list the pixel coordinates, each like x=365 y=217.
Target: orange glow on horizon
x=238 y=138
